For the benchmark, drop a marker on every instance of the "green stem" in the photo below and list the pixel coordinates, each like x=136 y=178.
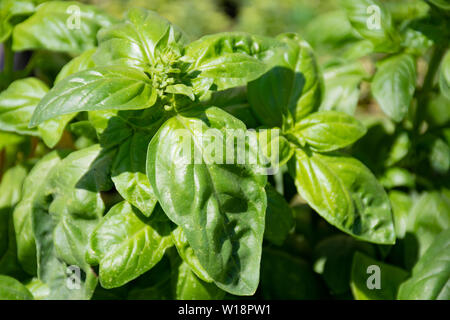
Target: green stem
x=8 y=66
x=424 y=94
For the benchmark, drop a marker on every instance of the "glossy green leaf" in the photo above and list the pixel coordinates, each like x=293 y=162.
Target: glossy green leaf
x=279 y=217
x=429 y=216
x=430 y=278
x=393 y=85
x=401 y=205
x=65 y=212
x=364 y=268
x=342 y=87
x=10 y=194
x=189 y=287
x=344 y=192
x=38 y=289
x=61 y=26
x=10 y=10
x=26 y=246
x=106 y=88
x=187 y=254
x=134 y=42
x=328 y=130
x=220 y=206
x=17 y=104
x=372 y=20
x=228 y=59
x=11 y=289
x=275 y=147
x=292 y=88
x=128 y=173
x=126 y=244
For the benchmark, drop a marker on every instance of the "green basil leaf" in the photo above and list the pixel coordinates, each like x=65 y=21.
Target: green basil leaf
x=291 y=89
x=227 y=59
x=65 y=212
x=342 y=87
x=26 y=245
x=429 y=216
x=113 y=88
x=397 y=177
x=333 y=260
x=128 y=173
x=346 y=194
x=52 y=129
x=10 y=193
x=126 y=244
x=401 y=206
x=9 y=10
x=444 y=76
x=373 y=21
x=9 y=139
x=61 y=26
x=275 y=147
x=11 y=289
x=83 y=62
x=38 y=289
x=431 y=275
x=187 y=254
x=328 y=130
x=17 y=104
x=363 y=271
x=226 y=202
x=279 y=217
x=393 y=85
x=288 y=278
x=133 y=43
x=189 y=287
x=181 y=89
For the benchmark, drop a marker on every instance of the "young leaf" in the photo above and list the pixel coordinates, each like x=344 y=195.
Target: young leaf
x=126 y=244
x=431 y=275
x=102 y=88
x=11 y=289
x=390 y=278
x=344 y=192
x=373 y=21
x=17 y=104
x=328 y=130
x=393 y=85
x=61 y=26
x=220 y=206
x=227 y=59
x=133 y=42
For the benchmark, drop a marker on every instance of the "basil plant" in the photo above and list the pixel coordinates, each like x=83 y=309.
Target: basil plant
x=138 y=164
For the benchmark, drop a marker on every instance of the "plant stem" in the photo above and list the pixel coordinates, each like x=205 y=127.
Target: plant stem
x=424 y=94
x=8 y=63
